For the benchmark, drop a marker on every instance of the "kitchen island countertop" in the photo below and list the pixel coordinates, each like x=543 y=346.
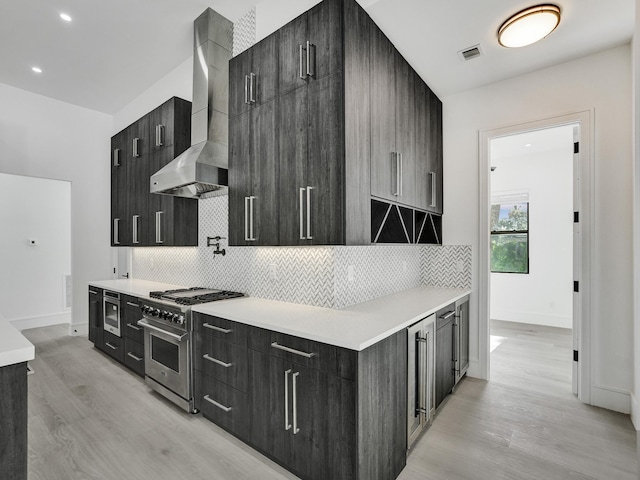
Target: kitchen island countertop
x=14 y=347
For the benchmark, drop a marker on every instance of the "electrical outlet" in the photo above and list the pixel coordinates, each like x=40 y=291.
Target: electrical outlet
x=351 y=273
x=273 y=272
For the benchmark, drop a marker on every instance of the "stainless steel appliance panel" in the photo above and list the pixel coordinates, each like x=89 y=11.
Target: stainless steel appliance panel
x=420 y=377
x=111 y=308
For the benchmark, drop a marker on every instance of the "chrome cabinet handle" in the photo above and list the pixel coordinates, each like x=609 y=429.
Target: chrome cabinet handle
x=394 y=157
x=116 y=157
x=131 y=304
x=301 y=61
x=136 y=153
x=310 y=72
x=116 y=231
x=217 y=329
x=246 y=219
x=159 y=135
x=219 y=405
x=246 y=89
x=433 y=188
x=206 y=356
x=401 y=172
x=287 y=425
x=135 y=228
x=132 y=326
x=251 y=200
x=93 y=292
x=159 y=227
x=456 y=344
x=143 y=323
x=137 y=359
x=291 y=350
x=112 y=347
x=295 y=404
x=302 y=237
x=252 y=84
x=448 y=315
x=309 y=237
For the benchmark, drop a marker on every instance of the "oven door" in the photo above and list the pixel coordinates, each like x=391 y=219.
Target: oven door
x=111 y=315
x=167 y=358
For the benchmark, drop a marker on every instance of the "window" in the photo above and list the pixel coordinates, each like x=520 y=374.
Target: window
x=510 y=237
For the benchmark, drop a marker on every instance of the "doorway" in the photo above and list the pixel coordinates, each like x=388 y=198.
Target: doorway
x=583 y=206
x=531 y=259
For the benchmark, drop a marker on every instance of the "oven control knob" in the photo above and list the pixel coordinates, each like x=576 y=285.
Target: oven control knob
x=180 y=320
x=155 y=312
x=174 y=317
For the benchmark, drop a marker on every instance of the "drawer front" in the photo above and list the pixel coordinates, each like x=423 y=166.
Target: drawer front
x=224 y=361
x=131 y=330
x=134 y=356
x=220 y=328
x=113 y=346
x=223 y=405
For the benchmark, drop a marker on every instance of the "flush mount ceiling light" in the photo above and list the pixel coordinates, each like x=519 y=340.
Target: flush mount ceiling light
x=65 y=17
x=36 y=69
x=529 y=26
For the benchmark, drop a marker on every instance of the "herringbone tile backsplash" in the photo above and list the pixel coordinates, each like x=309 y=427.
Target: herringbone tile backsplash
x=317 y=276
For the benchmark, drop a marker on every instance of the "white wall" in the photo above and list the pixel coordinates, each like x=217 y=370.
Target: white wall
x=602 y=82
x=635 y=414
x=544 y=295
x=41 y=137
x=35 y=250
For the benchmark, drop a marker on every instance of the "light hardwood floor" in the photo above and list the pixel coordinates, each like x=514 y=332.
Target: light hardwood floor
x=90 y=418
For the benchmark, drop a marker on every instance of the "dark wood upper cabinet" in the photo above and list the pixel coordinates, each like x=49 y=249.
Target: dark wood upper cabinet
x=140 y=218
x=345 y=131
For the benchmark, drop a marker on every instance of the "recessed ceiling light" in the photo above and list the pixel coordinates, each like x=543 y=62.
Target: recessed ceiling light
x=528 y=145
x=65 y=17
x=529 y=26
x=36 y=69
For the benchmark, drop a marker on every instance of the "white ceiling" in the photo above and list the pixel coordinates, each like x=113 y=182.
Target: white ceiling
x=114 y=50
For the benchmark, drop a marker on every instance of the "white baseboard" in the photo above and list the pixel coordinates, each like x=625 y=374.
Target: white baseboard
x=634 y=412
x=41 y=321
x=533 y=318
x=79 y=329
x=474 y=369
x=611 y=398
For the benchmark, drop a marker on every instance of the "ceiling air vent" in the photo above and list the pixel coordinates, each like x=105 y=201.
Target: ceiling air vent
x=470 y=53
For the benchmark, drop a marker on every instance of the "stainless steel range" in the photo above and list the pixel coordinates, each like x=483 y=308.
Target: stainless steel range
x=168 y=331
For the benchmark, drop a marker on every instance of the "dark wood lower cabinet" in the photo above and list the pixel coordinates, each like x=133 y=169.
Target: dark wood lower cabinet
x=13 y=421
x=445 y=369
x=340 y=414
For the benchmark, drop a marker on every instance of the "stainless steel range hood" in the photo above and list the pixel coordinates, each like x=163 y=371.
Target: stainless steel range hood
x=202 y=168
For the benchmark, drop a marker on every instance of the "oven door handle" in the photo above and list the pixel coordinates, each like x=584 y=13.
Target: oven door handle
x=143 y=323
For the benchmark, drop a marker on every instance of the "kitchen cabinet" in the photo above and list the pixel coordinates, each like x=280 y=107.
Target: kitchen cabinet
x=393 y=223
x=13 y=421
x=140 y=218
x=445 y=368
x=303 y=191
x=95 y=315
x=461 y=339
x=320 y=411
x=345 y=132
x=420 y=377
x=132 y=334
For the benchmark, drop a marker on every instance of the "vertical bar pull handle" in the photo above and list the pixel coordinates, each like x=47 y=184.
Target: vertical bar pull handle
x=116 y=157
x=302 y=237
x=287 y=425
x=159 y=227
x=395 y=157
x=295 y=404
x=251 y=212
x=116 y=231
x=246 y=89
x=246 y=219
x=301 y=61
x=433 y=188
x=252 y=88
x=135 y=228
x=311 y=72
x=159 y=135
x=401 y=172
x=309 y=237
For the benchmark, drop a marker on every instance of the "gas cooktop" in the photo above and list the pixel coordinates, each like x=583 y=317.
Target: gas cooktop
x=194 y=295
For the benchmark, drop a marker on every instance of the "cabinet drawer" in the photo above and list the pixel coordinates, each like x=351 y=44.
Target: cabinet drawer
x=220 y=328
x=223 y=405
x=134 y=356
x=224 y=361
x=304 y=352
x=131 y=330
x=113 y=346
x=445 y=315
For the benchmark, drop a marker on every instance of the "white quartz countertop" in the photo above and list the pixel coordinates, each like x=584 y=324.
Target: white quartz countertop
x=14 y=347
x=133 y=287
x=356 y=327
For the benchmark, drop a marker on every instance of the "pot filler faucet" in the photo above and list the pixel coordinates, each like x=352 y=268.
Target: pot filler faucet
x=215 y=242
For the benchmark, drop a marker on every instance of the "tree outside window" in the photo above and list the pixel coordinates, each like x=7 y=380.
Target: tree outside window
x=510 y=237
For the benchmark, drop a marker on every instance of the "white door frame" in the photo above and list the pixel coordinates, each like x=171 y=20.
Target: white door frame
x=587 y=208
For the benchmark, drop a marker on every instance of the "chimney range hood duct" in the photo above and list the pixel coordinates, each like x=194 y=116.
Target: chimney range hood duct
x=202 y=168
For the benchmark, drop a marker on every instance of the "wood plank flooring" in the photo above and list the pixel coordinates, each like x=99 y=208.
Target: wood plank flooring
x=90 y=418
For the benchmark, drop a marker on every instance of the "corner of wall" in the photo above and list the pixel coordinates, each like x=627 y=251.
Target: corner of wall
x=446 y=265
